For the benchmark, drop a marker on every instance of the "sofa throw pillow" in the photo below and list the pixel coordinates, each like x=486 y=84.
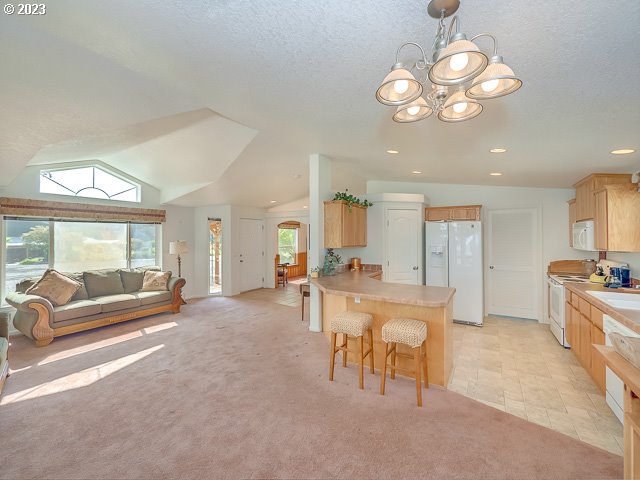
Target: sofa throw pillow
x=55 y=287
x=155 y=281
x=82 y=293
x=131 y=280
x=103 y=282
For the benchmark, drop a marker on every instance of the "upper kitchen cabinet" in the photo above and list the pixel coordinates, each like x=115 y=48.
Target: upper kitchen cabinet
x=572 y=219
x=447 y=214
x=617 y=218
x=344 y=225
x=585 y=208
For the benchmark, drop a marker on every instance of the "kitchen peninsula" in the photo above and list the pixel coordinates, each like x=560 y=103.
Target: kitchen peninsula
x=359 y=292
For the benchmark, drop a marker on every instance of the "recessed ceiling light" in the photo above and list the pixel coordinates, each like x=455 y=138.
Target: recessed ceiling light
x=273 y=201
x=498 y=150
x=305 y=206
x=393 y=151
x=623 y=151
x=416 y=172
x=495 y=174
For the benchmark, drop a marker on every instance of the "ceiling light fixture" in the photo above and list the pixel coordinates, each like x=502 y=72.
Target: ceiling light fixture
x=393 y=151
x=416 y=172
x=273 y=201
x=623 y=151
x=305 y=206
x=495 y=174
x=498 y=150
x=455 y=75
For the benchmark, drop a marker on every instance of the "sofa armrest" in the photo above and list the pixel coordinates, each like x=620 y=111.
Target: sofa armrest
x=23 y=301
x=33 y=316
x=175 y=285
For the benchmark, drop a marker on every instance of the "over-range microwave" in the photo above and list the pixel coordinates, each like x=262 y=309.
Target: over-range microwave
x=584 y=236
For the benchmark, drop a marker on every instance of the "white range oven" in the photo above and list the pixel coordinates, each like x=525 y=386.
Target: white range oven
x=555 y=307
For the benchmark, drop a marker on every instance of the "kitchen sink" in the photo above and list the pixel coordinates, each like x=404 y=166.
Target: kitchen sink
x=627 y=301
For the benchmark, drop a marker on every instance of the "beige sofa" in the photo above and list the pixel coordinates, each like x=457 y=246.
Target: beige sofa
x=106 y=297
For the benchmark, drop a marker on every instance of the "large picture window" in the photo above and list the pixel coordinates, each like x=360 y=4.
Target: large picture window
x=32 y=246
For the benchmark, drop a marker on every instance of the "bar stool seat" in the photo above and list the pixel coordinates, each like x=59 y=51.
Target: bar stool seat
x=354 y=324
x=405 y=330
x=412 y=333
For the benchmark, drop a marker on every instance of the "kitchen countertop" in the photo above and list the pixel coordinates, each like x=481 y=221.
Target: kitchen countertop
x=360 y=284
x=629 y=318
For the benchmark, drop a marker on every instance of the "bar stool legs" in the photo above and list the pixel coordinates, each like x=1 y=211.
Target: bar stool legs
x=420 y=367
x=360 y=353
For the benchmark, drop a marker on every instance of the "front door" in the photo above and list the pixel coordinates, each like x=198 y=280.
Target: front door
x=251 y=263
x=403 y=247
x=513 y=262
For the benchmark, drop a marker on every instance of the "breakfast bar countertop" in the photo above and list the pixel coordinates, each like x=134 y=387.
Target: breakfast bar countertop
x=629 y=318
x=360 y=284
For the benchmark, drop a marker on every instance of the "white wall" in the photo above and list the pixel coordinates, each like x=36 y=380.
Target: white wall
x=550 y=201
x=271 y=241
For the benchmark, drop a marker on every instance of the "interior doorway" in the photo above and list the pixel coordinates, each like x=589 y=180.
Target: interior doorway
x=513 y=254
x=215 y=256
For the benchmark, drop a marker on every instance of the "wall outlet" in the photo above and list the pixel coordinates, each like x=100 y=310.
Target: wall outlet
x=635 y=178
x=357 y=299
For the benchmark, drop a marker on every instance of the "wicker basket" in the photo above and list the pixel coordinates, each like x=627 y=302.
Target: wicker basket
x=628 y=347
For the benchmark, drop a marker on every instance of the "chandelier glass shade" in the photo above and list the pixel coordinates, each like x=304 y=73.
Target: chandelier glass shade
x=399 y=87
x=496 y=81
x=450 y=81
x=412 y=112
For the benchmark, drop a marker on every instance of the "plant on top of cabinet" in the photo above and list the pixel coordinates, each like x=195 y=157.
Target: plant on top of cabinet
x=351 y=200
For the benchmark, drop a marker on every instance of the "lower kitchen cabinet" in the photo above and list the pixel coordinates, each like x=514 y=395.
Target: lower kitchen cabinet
x=583 y=327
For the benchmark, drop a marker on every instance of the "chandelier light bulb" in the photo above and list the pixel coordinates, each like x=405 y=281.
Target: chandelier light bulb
x=401 y=86
x=490 y=85
x=413 y=110
x=459 y=61
x=460 y=107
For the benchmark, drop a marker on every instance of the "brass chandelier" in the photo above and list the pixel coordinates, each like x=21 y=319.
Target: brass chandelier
x=451 y=80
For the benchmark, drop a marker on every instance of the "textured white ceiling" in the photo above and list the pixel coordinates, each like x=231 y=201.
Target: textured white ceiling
x=303 y=74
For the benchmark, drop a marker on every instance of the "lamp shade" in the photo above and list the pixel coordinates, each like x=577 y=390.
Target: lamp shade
x=497 y=80
x=398 y=87
x=412 y=112
x=458 y=63
x=178 y=247
x=459 y=108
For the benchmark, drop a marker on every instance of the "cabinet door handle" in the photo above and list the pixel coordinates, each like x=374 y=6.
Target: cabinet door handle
x=415 y=268
x=491 y=267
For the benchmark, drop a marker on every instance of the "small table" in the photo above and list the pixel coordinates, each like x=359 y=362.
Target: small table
x=305 y=291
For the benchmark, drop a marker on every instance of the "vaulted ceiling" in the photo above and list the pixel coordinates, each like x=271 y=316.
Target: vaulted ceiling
x=239 y=93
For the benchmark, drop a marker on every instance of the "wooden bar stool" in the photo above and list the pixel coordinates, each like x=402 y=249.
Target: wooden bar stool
x=412 y=333
x=353 y=324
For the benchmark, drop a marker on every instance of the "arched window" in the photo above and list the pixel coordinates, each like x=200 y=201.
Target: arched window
x=88 y=181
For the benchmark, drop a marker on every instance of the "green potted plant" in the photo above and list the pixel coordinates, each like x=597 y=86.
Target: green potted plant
x=331 y=261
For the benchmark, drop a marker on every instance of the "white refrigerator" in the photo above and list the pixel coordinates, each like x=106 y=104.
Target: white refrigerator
x=453 y=258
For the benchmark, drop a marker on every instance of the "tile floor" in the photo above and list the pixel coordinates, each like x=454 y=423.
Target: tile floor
x=516 y=366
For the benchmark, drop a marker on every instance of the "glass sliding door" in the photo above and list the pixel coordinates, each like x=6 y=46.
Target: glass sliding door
x=215 y=256
x=26 y=251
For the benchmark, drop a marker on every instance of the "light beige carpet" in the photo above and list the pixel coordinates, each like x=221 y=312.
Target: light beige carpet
x=237 y=388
